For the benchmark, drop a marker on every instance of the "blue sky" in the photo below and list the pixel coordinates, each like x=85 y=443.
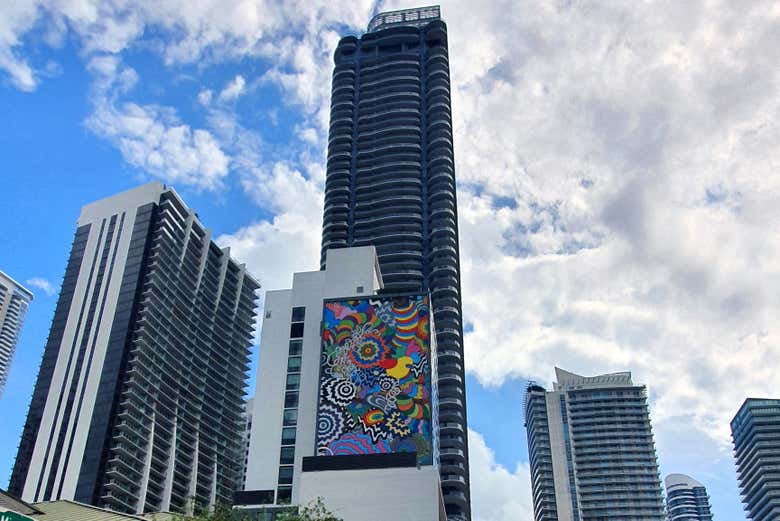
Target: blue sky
x=618 y=192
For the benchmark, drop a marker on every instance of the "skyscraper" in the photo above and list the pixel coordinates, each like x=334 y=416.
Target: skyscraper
x=391 y=183
x=591 y=450
x=686 y=499
x=14 y=299
x=756 y=433
x=139 y=397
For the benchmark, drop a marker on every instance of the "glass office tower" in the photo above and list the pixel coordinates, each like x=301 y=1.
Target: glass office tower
x=138 y=405
x=756 y=433
x=391 y=183
x=591 y=450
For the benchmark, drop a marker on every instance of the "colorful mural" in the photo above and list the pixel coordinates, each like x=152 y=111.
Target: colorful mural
x=376 y=372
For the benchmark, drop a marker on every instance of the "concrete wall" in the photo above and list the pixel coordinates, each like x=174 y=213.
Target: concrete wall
x=392 y=494
x=348 y=269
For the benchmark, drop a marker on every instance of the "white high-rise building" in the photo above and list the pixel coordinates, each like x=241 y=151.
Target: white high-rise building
x=686 y=499
x=591 y=450
x=14 y=299
x=139 y=398
x=302 y=446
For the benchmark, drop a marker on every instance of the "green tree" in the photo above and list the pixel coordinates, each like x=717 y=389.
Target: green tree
x=314 y=511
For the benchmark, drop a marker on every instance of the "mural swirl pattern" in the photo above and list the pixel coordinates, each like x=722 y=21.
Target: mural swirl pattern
x=375 y=379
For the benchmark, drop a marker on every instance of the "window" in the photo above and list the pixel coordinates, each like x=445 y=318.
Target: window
x=293 y=381
x=359 y=289
x=290 y=417
x=296 y=347
x=290 y=400
x=298 y=314
x=294 y=364
x=285 y=475
x=296 y=330
x=284 y=495
x=267 y=314
x=287 y=456
x=288 y=436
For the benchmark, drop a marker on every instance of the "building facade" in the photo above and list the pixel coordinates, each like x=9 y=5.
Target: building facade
x=284 y=425
x=138 y=402
x=686 y=499
x=346 y=389
x=391 y=184
x=591 y=450
x=14 y=300
x=756 y=433
x=248 y=410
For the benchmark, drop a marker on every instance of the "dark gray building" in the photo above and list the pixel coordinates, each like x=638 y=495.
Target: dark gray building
x=591 y=450
x=391 y=183
x=686 y=499
x=756 y=433
x=138 y=404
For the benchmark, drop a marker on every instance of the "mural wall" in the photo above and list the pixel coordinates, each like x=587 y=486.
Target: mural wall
x=377 y=369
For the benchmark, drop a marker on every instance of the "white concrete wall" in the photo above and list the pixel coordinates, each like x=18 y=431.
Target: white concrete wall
x=393 y=494
x=348 y=269
x=558 y=450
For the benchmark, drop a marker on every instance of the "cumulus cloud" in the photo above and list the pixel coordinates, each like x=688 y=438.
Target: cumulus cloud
x=204 y=97
x=154 y=140
x=42 y=284
x=498 y=494
x=233 y=89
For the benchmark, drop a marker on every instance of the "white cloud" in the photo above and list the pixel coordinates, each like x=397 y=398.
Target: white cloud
x=153 y=139
x=497 y=494
x=233 y=90
x=42 y=284
x=204 y=97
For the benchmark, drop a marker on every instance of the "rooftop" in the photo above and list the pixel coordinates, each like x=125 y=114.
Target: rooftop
x=416 y=17
x=567 y=380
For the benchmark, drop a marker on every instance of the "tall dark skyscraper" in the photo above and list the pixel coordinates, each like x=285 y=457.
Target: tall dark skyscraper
x=391 y=184
x=138 y=405
x=756 y=433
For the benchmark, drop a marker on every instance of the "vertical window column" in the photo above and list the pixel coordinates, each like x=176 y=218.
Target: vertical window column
x=290 y=414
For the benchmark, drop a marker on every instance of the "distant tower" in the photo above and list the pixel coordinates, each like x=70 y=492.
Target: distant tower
x=391 y=184
x=686 y=499
x=591 y=450
x=14 y=299
x=756 y=433
x=138 y=402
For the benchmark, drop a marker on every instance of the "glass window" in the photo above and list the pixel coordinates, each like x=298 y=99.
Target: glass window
x=298 y=314
x=290 y=417
x=290 y=399
x=296 y=347
x=296 y=330
x=293 y=381
x=285 y=475
x=294 y=364
x=288 y=436
x=287 y=456
x=284 y=495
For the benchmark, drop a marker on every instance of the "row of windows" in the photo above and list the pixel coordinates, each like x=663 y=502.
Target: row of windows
x=290 y=414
